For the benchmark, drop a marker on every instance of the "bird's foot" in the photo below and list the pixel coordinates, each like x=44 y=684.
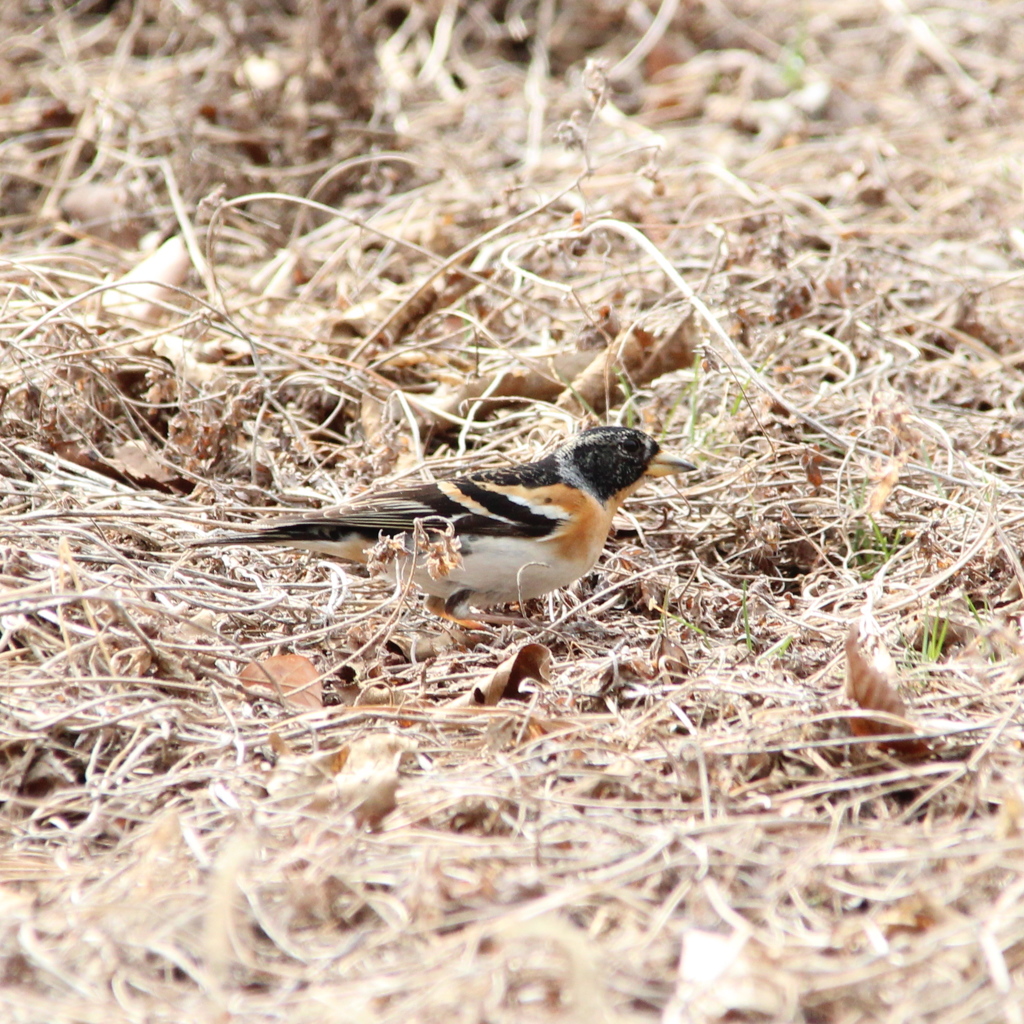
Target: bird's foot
x=452 y=610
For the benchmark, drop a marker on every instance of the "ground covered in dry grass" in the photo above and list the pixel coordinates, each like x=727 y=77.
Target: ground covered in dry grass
x=373 y=242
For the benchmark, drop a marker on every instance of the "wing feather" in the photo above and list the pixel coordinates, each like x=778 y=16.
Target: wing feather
x=475 y=508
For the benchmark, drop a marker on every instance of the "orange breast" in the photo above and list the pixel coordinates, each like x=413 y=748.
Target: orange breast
x=580 y=540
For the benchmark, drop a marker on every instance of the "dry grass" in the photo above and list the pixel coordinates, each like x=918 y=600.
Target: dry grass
x=383 y=217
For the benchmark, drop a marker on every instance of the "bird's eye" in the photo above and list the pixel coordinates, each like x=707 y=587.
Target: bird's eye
x=630 y=444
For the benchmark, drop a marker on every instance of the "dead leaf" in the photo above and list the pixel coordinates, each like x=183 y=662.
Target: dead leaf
x=370 y=412
x=132 y=661
x=885 y=481
x=376 y=750
x=674 y=349
x=669 y=656
x=375 y=695
x=871 y=681
x=421 y=647
x=130 y=468
x=361 y=776
x=599 y=331
x=104 y=210
x=140 y=294
x=198 y=362
x=541 y=379
x=408 y=306
x=136 y=461
x=722 y=977
x=367 y=783
x=914 y=913
x=369 y=798
x=291 y=677
x=86 y=457
x=810 y=462
x=359 y=319
x=279 y=745
x=532 y=661
x=641 y=353
x=304 y=780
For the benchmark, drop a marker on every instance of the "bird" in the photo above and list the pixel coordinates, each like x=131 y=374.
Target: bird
x=520 y=531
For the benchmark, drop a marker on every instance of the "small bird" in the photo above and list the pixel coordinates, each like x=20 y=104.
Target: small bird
x=521 y=531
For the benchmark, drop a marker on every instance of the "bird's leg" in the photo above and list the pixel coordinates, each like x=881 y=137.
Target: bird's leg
x=453 y=608
x=449 y=609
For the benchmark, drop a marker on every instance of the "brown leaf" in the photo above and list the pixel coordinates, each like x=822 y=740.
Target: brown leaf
x=370 y=411
x=375 y=695
x=669 y=656
x=810 y=461
x=128 y=466
x=136 y=461
x=540 y=380
x=104 y=210
x=533 y=661
x=641 y=353
x=675 y=349
x=142 y=293
x=198 y=362
x=871 y=684
x=291 y=677
x=369 y=798
x=86 y=457
x=884 y=484
x=421 y=647
x=914 y=913
x=360 y=778
x=727 y=977
x=600 y=331
x=278 y=744
x=376 y=751
x=367 y=782
x=305 y=780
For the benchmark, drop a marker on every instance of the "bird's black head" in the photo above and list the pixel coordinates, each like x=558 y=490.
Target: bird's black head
x=607 y=460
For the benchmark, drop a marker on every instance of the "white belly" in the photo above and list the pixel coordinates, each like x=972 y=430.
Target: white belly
x=502 y=570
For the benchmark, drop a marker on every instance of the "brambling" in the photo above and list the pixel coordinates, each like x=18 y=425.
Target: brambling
x=521 y=531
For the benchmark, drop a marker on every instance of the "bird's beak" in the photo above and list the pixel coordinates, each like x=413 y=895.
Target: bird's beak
x=664 y=464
